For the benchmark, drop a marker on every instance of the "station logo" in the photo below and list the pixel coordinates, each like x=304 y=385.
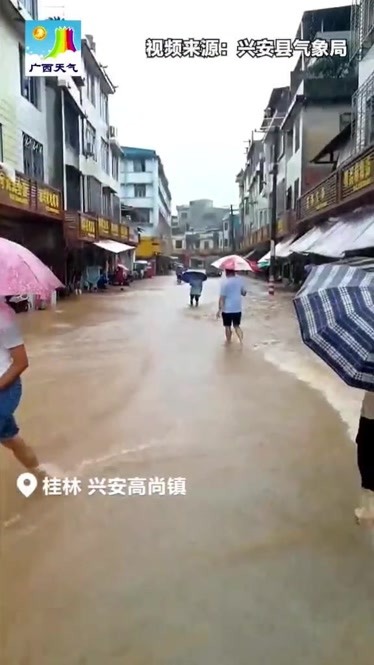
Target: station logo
x=53 y=48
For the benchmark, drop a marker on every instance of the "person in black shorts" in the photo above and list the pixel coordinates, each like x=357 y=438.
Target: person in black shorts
x=230 y=305
x=365 y=460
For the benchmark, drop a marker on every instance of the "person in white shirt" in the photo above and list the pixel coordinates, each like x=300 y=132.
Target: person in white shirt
x=13 y=362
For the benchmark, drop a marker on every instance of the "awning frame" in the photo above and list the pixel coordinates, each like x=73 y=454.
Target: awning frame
x=113 y=246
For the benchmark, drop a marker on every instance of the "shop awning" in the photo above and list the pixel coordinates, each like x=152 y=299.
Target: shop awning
x=113 y=246
x=282 y=250
x=303 y=244
x=345 y=236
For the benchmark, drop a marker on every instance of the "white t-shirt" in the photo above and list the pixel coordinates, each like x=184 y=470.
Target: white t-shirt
x=10 y=337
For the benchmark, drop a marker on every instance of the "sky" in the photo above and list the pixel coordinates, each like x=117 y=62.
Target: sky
x=197 y=114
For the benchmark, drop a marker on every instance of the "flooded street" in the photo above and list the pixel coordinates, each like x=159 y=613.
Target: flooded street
x=259 y=562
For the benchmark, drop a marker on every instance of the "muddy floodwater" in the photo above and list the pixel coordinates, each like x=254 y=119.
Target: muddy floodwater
x=258 y=562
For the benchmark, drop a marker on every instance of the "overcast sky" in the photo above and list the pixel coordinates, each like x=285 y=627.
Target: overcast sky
x=197 y=114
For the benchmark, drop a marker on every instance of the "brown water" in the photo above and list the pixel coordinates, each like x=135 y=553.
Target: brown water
x=259 y=562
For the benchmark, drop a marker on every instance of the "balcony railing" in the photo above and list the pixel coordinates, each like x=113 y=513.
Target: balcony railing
x=362 y=127
x=362 y=27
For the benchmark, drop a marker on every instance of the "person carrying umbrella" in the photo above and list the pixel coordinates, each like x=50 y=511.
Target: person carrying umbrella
x=335 y=310
x=21 y=272
x=230 y=304
x=196 y=289
x=13 y=362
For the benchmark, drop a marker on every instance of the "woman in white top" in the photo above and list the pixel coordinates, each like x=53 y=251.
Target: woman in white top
x=13 y=362
x=365 y=458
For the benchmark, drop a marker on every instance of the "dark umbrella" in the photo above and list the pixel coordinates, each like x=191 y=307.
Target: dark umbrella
x=192 y=275
x=335 y=310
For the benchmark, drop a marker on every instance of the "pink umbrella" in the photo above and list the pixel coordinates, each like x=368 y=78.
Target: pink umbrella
x=233 y=262
x=22 y=272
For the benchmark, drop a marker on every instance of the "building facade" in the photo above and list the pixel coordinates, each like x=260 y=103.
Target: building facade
x=316 y=106
x=59 y=156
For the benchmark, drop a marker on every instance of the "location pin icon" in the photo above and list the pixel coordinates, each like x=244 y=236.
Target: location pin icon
x=27 y=484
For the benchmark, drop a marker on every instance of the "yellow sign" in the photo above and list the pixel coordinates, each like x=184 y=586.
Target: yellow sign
x=104 y=227
x=148 y=247
x=317 y=199
x=358 y=176
x=17 y=191
x=114 y=230
x=88 y=228
x=49 y=201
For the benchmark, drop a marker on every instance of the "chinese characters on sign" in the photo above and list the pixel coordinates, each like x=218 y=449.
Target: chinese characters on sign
x=358 y=176
x=320 y=197
x=15 y=193
x=254 y=48
x=87 y=228
x=48 y=201
x=115 y=486
x=114 y=230
x=104 y=227
x=53 y=47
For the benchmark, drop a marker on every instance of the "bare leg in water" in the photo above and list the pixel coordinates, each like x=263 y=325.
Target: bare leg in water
x=22 y=452
x=228 y=334
x=239 y=333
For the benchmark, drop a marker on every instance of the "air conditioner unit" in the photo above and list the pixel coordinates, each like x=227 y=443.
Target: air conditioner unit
x=113 y=132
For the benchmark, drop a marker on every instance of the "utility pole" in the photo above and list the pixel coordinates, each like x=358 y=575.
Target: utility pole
x=232 y=230
x=273 y=225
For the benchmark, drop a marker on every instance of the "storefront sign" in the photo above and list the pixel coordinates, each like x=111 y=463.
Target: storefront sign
x=319 y=198
x=87 y=228
x=15 y=193
x=114 y=230
x=104 y=227
x=48 y=201
x=124 y=232
x=358 y=176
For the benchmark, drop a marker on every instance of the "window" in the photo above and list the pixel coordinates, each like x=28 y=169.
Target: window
x=296 y=130
x=91 y=88
x=206 y=244
x=33 y=160
x=139 y=166
x=1 y=144
x=31 y=7
x=30 y=86
x=289 y=198
x=282 y=145
x=105 y=156
x=90 y=148
x=71 y=127
x=289 y=142
x=93 y=200
x=184 y=215
x=178 y=244
x=139 y=191
x=115 y=167
x=225 y=242
x=296 y=192
x=144 y=216
x=104 y=106
x=106 y=202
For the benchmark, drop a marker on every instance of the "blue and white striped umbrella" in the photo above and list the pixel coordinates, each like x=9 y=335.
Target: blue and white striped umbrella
x=335 y=309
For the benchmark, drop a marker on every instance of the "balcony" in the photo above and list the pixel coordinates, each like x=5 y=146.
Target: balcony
x=362 y=28
x=362 y=127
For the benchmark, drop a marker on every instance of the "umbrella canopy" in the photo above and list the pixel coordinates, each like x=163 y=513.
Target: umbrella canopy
x=233 y=262
x=194 y=274
x=22 y=272
x=335 y=310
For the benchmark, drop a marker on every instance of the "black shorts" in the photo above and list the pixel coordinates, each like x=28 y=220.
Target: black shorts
x=231 y=319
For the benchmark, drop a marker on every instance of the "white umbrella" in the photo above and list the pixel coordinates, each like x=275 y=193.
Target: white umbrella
x=233 y=262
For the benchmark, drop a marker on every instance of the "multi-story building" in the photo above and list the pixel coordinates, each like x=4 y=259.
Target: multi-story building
x=30 y=209
x=59 y=172
x=144 y=186
x=200 y=215
x=315 y=107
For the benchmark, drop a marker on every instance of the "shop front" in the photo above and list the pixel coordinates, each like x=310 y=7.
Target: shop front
x=31 y=214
